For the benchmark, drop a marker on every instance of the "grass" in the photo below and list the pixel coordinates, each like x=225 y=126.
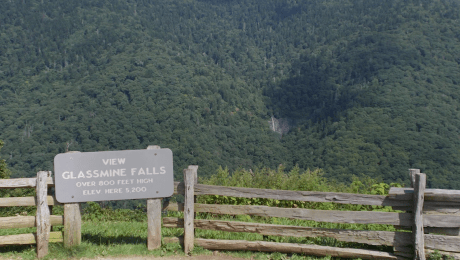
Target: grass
x=122 y=232
x=121 y=238
x=108 y=232
x=98 y=239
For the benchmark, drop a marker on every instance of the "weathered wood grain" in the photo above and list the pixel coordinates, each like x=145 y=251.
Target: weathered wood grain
x=174 y=207
x=417 y=228
x=404 y=251
x=444 y=243
x=153 y=218
x=359 y=236
x=194 y=169
x=385 y=238
x=443 y=231
x=25 y=201
x=441 y=221
x=27 y=221
x=154 y=223
x=23 y=183
x=43 y=214
x=412 y=173
x=362 y=217
x=189 y=230
x=434 y=207
x=72 y=224
x=312 y=196
x=443 y=195
x=261 y=246
x=28 y=239
x=399 y=198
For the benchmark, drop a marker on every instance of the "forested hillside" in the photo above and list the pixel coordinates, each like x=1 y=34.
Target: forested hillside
x=355 y=87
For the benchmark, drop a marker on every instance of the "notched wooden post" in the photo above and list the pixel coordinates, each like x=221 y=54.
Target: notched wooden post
x=189 y=231
x=417 y=229
x=194 y=169
x=153 y=218
x=412 y=173
x=43 y=214
x=72 y=222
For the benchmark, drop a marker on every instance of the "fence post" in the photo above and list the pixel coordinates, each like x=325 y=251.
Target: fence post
x=189 y=231
x=72 y=222
x=412 y=173
x=194 y=169
x=43 y=214
x=417 y=229
x=153 y=218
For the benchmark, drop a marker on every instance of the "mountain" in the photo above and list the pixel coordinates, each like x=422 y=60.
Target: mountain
x=353 y=87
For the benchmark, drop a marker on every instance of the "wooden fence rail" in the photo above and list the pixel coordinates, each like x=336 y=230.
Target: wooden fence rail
x=42 y=221
x=71 y=219
x=427 y=211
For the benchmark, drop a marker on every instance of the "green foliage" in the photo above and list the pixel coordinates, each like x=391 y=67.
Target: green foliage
x=265 y=178
x=121 y=232
x=368 y=87
x=436 y=255
x=6 y=193
x=4 y=172
x=94 y=212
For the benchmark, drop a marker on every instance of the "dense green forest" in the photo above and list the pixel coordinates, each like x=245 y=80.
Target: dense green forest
x=363 y=87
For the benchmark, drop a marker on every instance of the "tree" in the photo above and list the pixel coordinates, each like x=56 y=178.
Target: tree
x=4 y=172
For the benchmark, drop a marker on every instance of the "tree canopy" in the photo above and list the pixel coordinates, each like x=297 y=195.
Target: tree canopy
x=4 y=172
x=356 y=87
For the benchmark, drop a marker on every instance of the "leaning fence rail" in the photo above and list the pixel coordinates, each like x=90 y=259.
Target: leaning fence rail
x=440 y=215
x=42 y=221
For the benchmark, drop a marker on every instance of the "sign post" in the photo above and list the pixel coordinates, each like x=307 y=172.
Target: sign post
x=114 y=175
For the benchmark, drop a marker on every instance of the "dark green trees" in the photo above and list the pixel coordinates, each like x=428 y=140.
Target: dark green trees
x=4 y=172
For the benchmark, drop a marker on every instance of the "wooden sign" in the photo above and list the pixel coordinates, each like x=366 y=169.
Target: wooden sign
x=113 y=175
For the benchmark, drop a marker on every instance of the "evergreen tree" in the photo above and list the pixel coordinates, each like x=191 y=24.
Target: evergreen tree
x=4 y=172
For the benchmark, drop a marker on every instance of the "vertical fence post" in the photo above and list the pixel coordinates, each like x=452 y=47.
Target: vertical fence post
x=189 y=231
x=417 y=229
x=72 y=222
x=194 y=169
x=412 y=173
x=153 y=218
x=43 y=214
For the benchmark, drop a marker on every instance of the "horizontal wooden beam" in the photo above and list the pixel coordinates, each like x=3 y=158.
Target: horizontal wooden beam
x=22 y=183
x=385 y=238
x=25 y=201
x=397 y=198
x=311 y=196
x=443 y=231
x=430 y=194
x=435 y=207
x=262 y=246
x=27 y=221
x=444 y=243
x=28 y=239
x=333 y=216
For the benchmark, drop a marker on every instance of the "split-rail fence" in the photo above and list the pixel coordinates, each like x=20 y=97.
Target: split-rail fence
x=43 y=220
x=433 y=215
x=71 y=235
